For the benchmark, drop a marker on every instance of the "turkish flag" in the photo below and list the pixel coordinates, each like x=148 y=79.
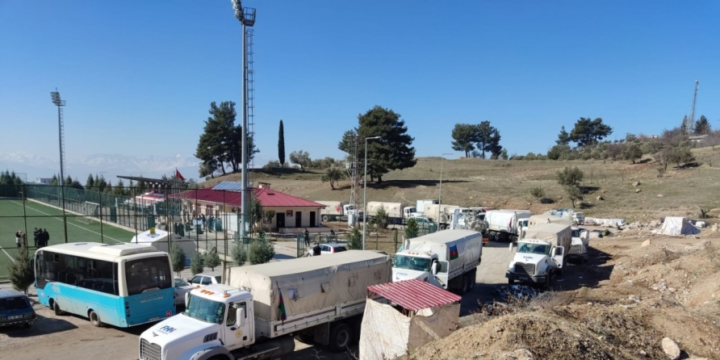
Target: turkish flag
x=178 y=175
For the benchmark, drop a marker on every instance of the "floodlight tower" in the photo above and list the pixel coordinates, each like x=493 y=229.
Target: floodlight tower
x=55 y=96
x=691 y=121
x=246 y=16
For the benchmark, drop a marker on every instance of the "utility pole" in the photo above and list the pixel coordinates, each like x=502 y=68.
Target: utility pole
x=55 y=95
x=691 y=121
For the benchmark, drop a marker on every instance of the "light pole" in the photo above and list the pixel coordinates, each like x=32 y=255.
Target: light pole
x=55 y=96
x=442 y=157
x=365 y=190
x=246 y=16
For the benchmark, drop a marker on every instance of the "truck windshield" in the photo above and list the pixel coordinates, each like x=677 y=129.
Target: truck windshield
x=534 y=249
x=205 y=310
x=411 y=263
x=576 y=233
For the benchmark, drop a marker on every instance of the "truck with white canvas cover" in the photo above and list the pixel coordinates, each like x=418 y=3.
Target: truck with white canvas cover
x=580 y=236
x=440 y=213
x=505 y=225
x=397 y=212
x=264 y=306
x=420 y=206
x=540 y=255
x=336 y=211
x=447 y=259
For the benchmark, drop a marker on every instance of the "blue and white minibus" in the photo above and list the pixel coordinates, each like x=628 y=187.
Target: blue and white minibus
x=120 y=285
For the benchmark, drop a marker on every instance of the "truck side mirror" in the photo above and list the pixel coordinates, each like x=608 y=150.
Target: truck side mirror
x=240 y=316
x=187 y=298
x=435 y=268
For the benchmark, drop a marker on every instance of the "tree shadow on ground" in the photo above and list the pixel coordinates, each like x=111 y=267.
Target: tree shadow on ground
x=589 y=189
x=586 y=206
x=409 y=184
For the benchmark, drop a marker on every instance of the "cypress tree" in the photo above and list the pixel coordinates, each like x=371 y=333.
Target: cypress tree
x=281 y=145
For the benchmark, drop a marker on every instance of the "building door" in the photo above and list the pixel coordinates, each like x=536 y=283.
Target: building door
x=312 y=219
x=280 y=220
x=298 y=219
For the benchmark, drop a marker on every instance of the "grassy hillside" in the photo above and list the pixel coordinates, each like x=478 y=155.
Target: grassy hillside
x=507 y=184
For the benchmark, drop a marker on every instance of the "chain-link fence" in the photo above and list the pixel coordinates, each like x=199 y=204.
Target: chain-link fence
x=73 y=214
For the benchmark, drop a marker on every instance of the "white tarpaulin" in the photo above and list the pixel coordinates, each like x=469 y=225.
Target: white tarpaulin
x=386 y=333
x=604 y=222
x=677 y=226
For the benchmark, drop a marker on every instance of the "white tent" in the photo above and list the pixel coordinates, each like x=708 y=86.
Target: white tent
x=677 y=226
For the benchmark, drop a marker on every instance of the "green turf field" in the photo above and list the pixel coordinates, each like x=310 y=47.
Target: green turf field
x=14 y=216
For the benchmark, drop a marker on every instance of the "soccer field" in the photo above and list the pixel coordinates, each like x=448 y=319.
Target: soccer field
x=14 y=216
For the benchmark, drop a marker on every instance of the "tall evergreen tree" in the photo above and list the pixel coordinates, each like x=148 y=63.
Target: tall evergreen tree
x=21 y=271
x=588 y=131
x=484 y=133
x=393 y=151
x=281 y=144
x=702 y=126
x=464 y=136
x=563 y=137
x=89 y=183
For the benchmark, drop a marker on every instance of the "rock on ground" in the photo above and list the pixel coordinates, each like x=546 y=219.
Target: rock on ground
x=636 y=184
x=520 y=354
x=638 y=190
x=670 y=348
x=645 y=243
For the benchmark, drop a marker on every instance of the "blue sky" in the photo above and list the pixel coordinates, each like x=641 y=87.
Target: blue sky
x=138 y=76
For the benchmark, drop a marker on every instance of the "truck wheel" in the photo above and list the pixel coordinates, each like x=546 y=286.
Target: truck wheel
x=325 y=218
x=340 y=337
x=465 y=285
x=471 y=280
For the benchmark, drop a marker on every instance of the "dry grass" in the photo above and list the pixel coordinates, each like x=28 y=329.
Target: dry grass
x=507 y=184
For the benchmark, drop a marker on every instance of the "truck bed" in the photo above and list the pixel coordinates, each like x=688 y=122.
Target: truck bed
x=314 y=290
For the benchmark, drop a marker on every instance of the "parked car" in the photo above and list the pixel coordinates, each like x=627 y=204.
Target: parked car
x=15 y=309
x=182 y=287
x=327 y=249
x=203 y=280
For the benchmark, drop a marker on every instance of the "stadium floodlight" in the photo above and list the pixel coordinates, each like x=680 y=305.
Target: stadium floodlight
x=59 y=102
x=246 y=16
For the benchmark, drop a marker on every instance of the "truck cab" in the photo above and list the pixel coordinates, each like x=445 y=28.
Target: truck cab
x=535 y=261
x=418 y=265
x=217 y=320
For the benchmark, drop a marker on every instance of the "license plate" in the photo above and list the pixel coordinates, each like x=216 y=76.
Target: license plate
x=154 y=318
x=15 y=317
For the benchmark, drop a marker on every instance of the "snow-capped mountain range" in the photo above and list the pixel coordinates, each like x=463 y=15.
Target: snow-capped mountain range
x=110 y=165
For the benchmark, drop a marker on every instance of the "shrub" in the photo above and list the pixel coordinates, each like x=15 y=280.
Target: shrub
x=537 y=192
x=239 y=255
x=530 y=156
x=21 y=271
x=196 y=264
x=177 y=256
x=212 y=259
x=261 y=250
x=381 y=218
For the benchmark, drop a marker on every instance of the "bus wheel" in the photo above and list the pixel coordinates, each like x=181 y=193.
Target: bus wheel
x=94 y=318
x=56 y=308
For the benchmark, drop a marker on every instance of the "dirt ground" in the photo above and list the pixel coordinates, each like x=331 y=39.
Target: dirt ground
x=642 y=294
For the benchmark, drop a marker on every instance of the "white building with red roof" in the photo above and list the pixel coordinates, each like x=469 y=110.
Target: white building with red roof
x=225 y=198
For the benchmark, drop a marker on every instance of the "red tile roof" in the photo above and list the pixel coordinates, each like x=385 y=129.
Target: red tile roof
x=267 y=198
x=414 y=294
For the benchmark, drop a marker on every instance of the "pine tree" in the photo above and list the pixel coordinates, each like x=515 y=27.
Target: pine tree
x=21 y=271
x=239 y=255
x=89 y=183
x=281 y=144
x=355 y=241
x=412 y=229
x=393 y=150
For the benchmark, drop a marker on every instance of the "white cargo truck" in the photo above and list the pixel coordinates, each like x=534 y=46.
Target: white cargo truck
x=337 y=211
x=397 y=212
x=447 y=259
x=264 y=306
x=440 y=213
x=505 y=225
x=579 y=246
x=420 y=206
x=540 y=255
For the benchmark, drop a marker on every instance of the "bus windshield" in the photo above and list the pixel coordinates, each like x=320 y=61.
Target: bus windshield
x=205 y=310
x=149 y=274
x=411 y=263
x=527 y=248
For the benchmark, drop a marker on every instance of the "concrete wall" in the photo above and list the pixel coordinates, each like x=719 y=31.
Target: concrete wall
x=290 y=215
